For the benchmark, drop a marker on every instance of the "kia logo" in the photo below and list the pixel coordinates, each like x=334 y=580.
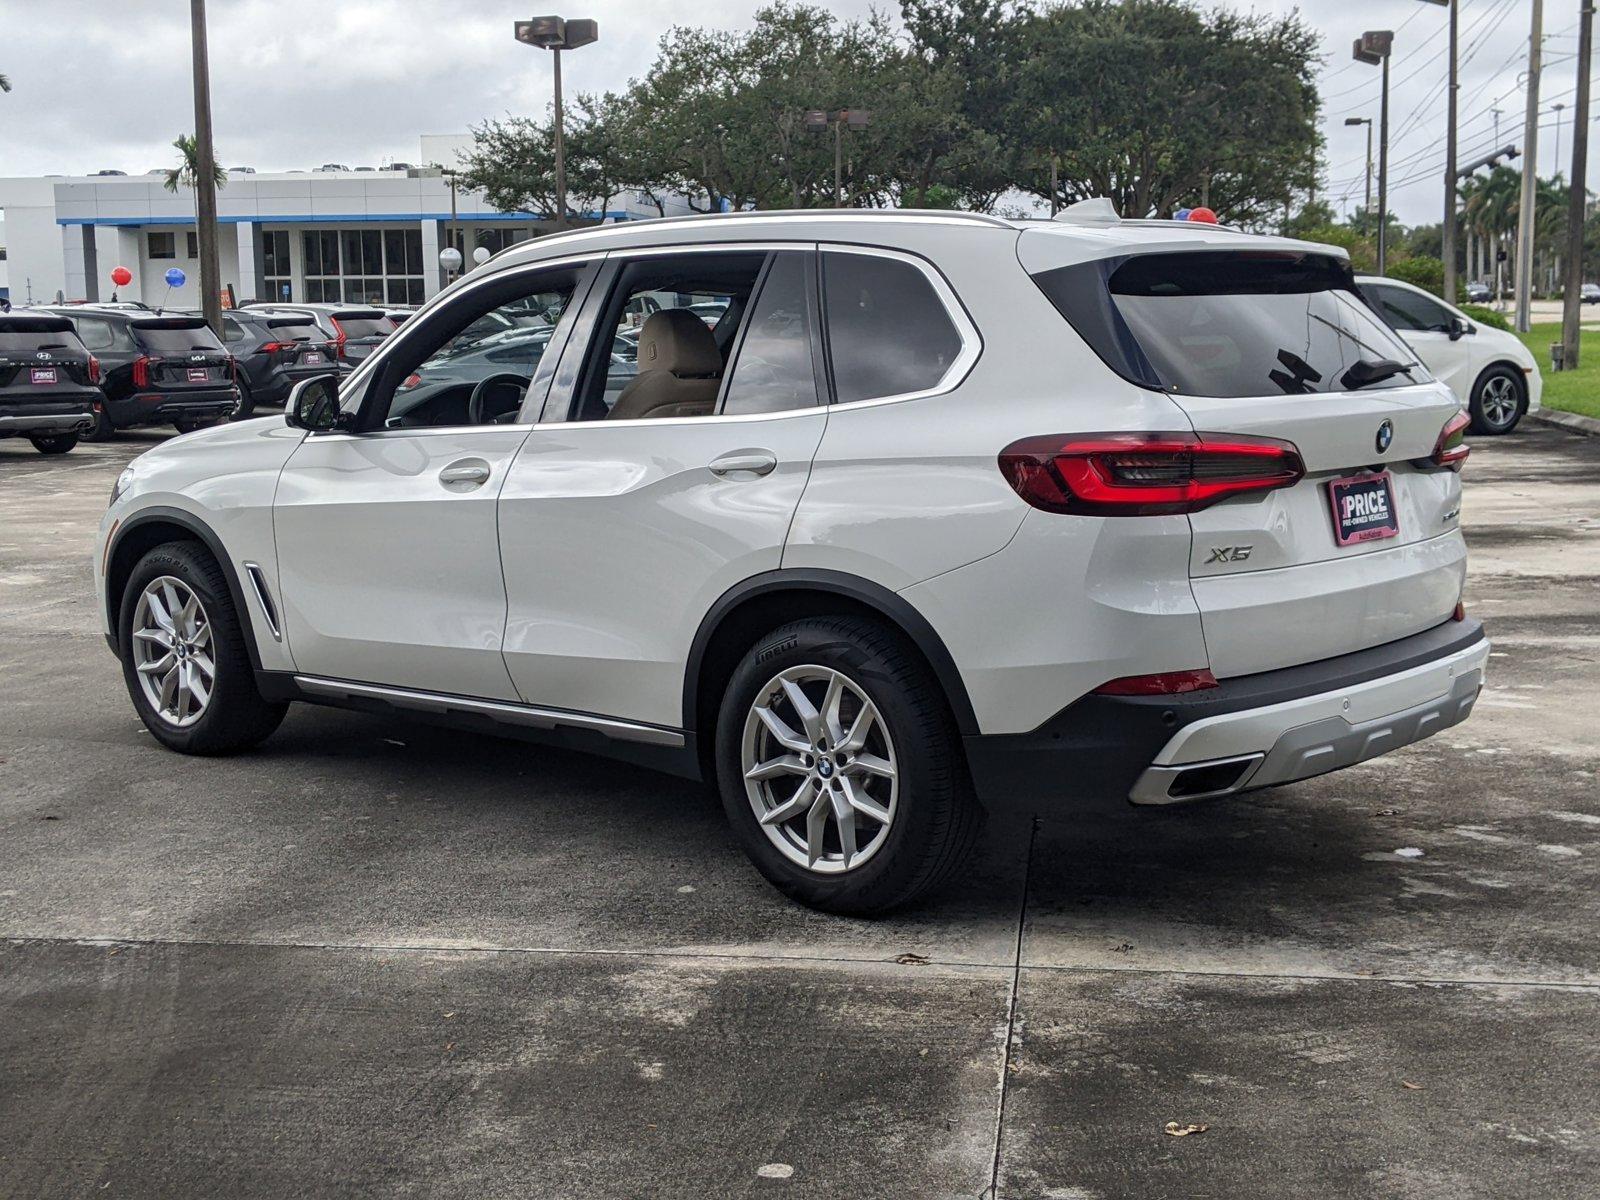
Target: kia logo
x=1385 y=436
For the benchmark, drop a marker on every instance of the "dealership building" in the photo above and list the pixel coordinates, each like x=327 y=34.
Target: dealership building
x=363 y=236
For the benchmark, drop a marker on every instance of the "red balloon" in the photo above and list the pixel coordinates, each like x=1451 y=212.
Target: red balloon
x=121 y=276
x=1203 y=215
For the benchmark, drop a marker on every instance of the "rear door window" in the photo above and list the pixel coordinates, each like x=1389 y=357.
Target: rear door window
x=889 y=333
x=96 y=334
x=1231 y=324
x=173 y=338
x=1406 y=310
x=774 y=371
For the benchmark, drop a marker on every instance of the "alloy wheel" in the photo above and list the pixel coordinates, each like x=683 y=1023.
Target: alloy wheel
x=820 y=769
x=172 y=651
x=1499 y=401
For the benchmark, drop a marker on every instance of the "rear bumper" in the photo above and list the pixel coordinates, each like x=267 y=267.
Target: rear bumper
x=1250 y=732
x=46 y=423
x=158 y=408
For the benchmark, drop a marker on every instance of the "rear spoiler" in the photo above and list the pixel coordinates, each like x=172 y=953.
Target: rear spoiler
x=359 y=314
x=282 y=322
x=170 y=323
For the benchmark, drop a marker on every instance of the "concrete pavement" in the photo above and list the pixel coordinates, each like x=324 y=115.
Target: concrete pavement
x=376 y=958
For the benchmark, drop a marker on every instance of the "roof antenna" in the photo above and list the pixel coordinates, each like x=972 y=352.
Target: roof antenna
x=1098 y=210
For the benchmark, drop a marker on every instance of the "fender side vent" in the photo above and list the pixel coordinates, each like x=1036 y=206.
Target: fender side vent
x=258 y=579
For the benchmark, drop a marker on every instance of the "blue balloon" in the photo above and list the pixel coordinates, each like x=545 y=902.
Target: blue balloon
x=1181 y=215
x=175 y=277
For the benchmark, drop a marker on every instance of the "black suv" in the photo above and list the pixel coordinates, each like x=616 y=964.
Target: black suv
x=157 y=369
x=49 y=389
x=355 y=330
x=274 y=353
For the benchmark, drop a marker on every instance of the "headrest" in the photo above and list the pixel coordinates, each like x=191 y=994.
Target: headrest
x=676 y=340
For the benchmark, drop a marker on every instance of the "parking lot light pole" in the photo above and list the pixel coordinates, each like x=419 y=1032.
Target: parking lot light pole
x=1373 y=48
x=1449 y=248
x=556 y=34
x=205 y=183
x=817 y=121
x=1577 y=198
x=1530 y=174
x=1366 y=207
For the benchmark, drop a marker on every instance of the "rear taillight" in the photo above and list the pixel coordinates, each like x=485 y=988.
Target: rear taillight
x=94 y=369
x=142 y=366
x=1144 y=474
x=337 y=345
x=1168 y=683
x=233 y=368
x=1451 y=450
x=276 y=347
x=412 y=380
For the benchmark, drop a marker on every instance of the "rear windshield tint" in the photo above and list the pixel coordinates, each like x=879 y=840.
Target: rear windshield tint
x=19 y=334
x=176 y=338
x=365 y=327
x=294 y=329
x=1231 y=323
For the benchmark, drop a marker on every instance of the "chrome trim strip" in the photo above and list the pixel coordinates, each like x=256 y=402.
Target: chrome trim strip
x=496 y=710
x=264 y=596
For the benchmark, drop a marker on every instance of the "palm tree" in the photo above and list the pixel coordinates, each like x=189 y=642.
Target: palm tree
x=187 y=172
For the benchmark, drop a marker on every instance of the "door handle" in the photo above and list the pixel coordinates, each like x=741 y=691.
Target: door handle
x=756 y=462
x=466 y=473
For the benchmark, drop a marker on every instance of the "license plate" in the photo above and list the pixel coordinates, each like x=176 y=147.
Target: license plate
x=199 y=375
x=313 y=358
x=1363 y=509
x=43 y=375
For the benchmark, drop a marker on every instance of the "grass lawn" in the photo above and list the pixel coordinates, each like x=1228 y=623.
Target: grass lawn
x=1576 y=391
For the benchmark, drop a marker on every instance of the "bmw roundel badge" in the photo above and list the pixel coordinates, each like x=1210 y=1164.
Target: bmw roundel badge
x=1385 y=436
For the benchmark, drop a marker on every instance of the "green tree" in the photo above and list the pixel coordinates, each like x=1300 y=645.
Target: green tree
x=1159 y=105
x=187 y=172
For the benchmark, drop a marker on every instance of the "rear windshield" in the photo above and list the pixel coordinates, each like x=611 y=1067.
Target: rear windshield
x=175 y=337
x=1261 y=323
x=295 y=329
x=364 y=327
x=18 y=334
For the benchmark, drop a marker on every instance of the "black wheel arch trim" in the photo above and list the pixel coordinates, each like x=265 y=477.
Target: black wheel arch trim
x=189 y=523
x=890 y=606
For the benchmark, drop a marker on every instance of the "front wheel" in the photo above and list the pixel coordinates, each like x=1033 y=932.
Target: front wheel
x=184 y=657
x=55 y=443
x=840 y=769
x=1497 y=401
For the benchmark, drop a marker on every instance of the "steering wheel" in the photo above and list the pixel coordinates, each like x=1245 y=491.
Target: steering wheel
x=496 y=398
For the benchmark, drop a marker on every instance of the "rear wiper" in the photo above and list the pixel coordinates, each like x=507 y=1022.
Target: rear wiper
x=1373 y=370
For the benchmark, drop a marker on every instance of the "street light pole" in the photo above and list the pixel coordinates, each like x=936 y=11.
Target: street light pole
x=557 y=34
x=1530 y=174
x=205 y=184
x=1373 y=49
x=1577 y=198
x=1366 y=208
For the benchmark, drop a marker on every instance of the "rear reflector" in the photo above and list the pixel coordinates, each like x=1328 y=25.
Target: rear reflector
x=1145 y=474
x=1168 y=683
x=1460 y=613
x=1451 y=450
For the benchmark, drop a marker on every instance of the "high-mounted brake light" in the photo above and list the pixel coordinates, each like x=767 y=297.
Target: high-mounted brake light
x=1168 y=683
x=1145 y=474
x=1451 y=450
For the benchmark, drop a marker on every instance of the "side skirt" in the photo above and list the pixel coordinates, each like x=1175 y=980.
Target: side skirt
x=653 y=746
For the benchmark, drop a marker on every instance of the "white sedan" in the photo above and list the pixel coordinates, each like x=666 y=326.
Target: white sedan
x=1491 y=371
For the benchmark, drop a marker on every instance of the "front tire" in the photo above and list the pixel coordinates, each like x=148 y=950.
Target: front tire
x=184 y=657
x=839 y=767
x=56 y=443
x=1498 y=400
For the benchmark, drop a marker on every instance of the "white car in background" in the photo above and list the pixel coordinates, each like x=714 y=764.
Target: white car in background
x=1490 y=371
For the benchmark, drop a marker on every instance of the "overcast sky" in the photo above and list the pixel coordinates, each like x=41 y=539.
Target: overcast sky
x=296 y=83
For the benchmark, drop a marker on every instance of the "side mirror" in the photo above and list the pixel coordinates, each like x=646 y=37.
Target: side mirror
x=1460 y=327
x=314 y=405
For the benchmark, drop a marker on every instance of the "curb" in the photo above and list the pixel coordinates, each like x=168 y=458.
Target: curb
x=1575 y=422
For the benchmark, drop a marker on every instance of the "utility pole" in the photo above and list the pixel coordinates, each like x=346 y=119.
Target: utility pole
x=1450 y=167
x=205 y=184
x=1530 y=174
x=1366 y=208
x=1577 y=200
x=1373 y=49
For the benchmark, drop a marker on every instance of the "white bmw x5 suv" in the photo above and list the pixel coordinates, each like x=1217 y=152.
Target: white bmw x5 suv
x=945 y=513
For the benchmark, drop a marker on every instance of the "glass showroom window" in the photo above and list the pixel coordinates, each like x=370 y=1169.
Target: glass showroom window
x=364 y=266
x=275 y=272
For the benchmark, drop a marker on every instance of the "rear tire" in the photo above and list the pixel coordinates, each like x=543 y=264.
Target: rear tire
x=1498 y=400
x=57 y=443
x=102 y=430
x=903 y=762
x=232 y=715
x=247 y=403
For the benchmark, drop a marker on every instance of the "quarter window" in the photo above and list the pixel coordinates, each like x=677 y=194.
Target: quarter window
x=888 y=331
x=1407 y=310
x=96 y=335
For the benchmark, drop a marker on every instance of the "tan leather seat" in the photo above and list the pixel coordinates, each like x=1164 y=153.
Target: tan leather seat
x=679 y=369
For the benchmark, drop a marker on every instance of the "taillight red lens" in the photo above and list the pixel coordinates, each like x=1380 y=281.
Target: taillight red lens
x=1168 y=683
x=1144 y=474
x=94 y=369
x=1451 y=450
x=142 y=367
x=412 y=380
x=275 y=347
x=338 y=342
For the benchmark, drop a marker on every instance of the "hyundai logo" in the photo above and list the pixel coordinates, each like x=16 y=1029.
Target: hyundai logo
x=42 y=354
x=1385 y=436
